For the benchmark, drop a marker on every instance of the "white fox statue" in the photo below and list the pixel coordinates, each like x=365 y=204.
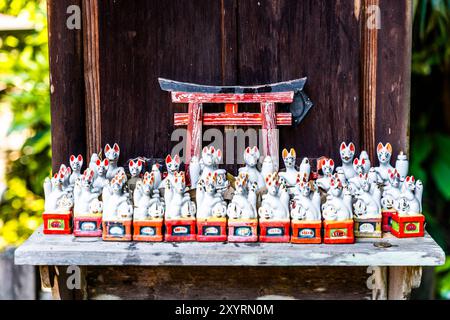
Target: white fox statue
x=178 y=202
x=243 y=203
x=210 y=203
x=147 y=203
x=275 y=204
x=85 y=196
x=116 y=203
x=306 y=204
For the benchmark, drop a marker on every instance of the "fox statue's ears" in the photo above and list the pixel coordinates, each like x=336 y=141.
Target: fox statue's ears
x=351 y=146
x=168 y=159
x=388 y=147
x=116 y=147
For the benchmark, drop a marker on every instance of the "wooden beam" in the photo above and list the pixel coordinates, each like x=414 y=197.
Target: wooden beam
x=92 y=75
x=194 y=135
x=275 y=97
x=66 y=84
x=369 y=76
x=233 y=119
x=270 y=132
x=402 y=280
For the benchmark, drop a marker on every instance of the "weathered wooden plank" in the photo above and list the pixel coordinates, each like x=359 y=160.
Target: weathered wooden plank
x=369 y=68
x=194 y=131
x=230 y=119
x=394 y=74
x=270 y=135
x=228 y=283
x=282 y=39
x=92 y=75
x=135 y=51
x=274 y=97
x=66 y=84
x=402 y=280
x=42 y=249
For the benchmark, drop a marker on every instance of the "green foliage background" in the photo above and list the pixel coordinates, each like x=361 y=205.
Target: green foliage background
x=24 y=88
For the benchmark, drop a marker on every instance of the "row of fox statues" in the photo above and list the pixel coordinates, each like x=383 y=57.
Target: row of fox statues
x=331 y=204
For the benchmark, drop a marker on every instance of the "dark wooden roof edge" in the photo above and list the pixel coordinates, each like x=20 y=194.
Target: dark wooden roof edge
x=296 y=85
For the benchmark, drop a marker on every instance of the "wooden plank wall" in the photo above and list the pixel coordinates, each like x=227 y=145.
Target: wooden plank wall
x=223 y=42
x=225 y=283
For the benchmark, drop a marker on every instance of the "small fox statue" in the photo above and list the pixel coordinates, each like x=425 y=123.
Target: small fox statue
x=243 y=203
x=275 y=204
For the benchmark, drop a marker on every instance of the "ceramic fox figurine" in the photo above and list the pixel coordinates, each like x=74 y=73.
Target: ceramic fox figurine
x=267 y=166
x=347 y=153
x=178 y=202
x=76 y=163
x=305 y=168
x=85 y=196
x=327 y=166
x=135 y=168
x=147 y=204
x=93 y=164
x=56 y=199
x=243 y=204
x=275 y=204
x=359 y=165
x=222 y=184
x=156 y=175
x=384 y=153
x=66 y=174
x=172 y=165
x=116 y=204
x=367 y=165
x=251 y=159
x=392 y=191
x=306 y=204
x=367 y=205
x=339 y=202
x=209 y=202
x=100 y=180
x=112 y=154
x=290 y=176
x=209 y=163
x=409 y=201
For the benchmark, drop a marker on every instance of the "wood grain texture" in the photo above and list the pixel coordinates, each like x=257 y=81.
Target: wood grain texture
x=156 y=42
x=92 y=75
x=66 y=84
x=369 y=66
x=394 y=74
x=42 y=249
x=402 y=280
x=286 y=39
x=227 y=283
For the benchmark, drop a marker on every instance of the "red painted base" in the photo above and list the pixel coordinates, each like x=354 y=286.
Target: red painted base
x=57 y=223
x=408 y=226
x=180 y=230
x=274 y=231
x=148 y=230
x=306 y=232
x=243 y=230
x=87 y=226
x=387 y=220
x=117 y=230
x=212 y=230
x=338 y=232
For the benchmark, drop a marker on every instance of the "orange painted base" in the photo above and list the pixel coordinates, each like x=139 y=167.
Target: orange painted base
x=180 y=230
x=57 y=223
x=148 y=230
x=338 y=232
x=117 y=230
x=87 y=226
x=387 y=220
x=408 y=226
x=243 y=230
x=212 y=230
x=306 y=232
x=274 y=231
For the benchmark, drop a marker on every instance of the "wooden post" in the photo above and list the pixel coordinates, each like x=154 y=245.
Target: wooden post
x=269 y=132
x=369 y=78
x=402 y=280
x=92 y=76
x=194 y=132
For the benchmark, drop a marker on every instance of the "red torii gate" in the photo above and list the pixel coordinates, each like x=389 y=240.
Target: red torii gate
x=267 y=96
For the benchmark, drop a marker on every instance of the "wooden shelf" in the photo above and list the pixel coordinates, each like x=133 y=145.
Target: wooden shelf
x=42 y=249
